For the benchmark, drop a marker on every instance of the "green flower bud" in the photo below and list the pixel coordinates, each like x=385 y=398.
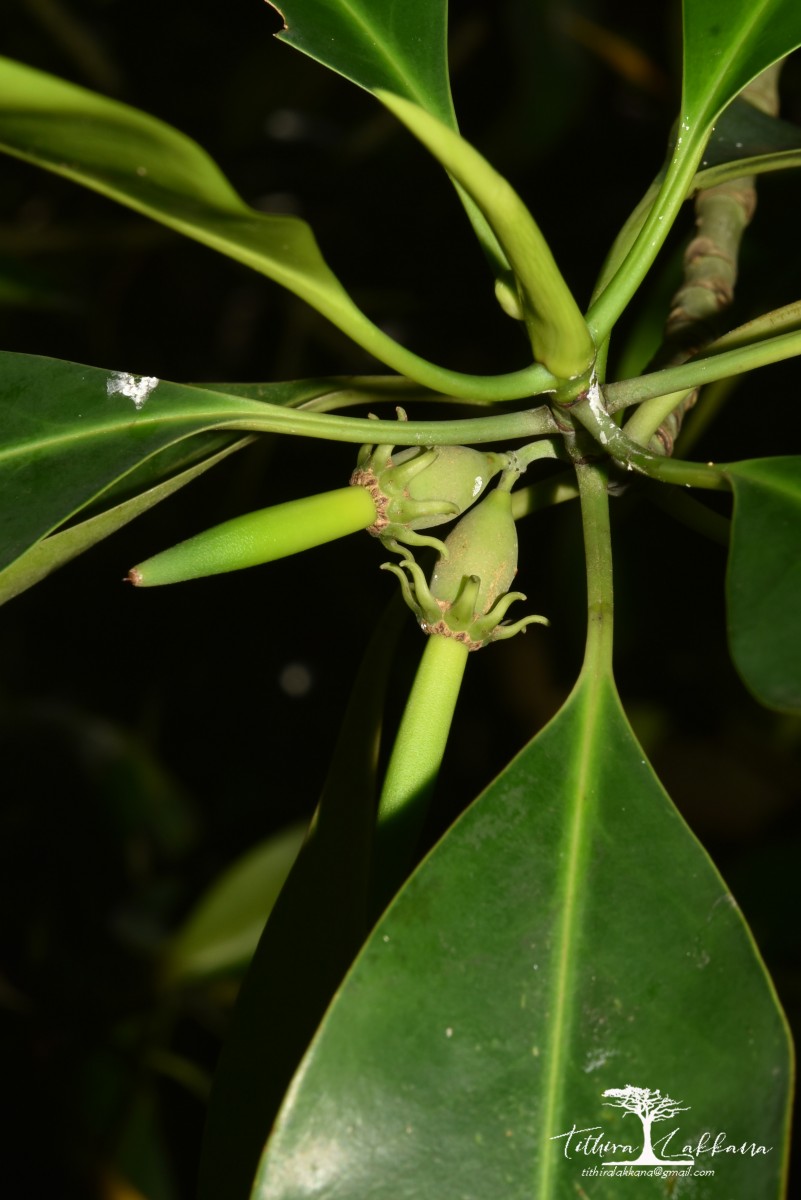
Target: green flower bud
x=467 y=597
x=420 y=487
x=260 y=537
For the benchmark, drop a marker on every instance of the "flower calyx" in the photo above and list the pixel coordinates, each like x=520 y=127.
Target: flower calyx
x=422 y=486
x=467 y=596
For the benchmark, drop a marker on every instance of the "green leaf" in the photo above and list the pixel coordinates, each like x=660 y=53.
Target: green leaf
x=222 y=931
x=764 y=579
x=149 y=166
x=52 y=552
x=71 y=433
x=139 y=161
x=142 y=1166
x=726 y=45
x=378 y=45
x=567 y=936
x=559 y=334
x=745 y=132
x=311 y=938
x=786 y=319
x=73 y=436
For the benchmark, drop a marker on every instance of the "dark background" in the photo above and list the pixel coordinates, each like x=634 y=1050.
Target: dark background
x=148 y=738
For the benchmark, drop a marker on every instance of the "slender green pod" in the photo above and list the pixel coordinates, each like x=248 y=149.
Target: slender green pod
x=415 y=761
x=260 y=537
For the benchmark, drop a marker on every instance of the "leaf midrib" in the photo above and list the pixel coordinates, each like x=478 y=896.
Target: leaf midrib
x=594 y=683
x=384 y=50
x=87 y=432
x=728 y=60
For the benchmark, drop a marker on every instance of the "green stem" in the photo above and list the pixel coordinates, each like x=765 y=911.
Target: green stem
x=416 y=757
x=684 y=507
x=524 y=456
x=267 y=418
x=592 y=415
x=702 y=370
x=594 y=498
x=606 y=310
x=644 y=422
x=624 y=241
x=557 y=331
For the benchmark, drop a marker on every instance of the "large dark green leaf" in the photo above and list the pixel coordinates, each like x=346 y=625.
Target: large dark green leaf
x=764 y=579
x=567 y=936
x=71 y=433
x=73 y=436
x=139 y=161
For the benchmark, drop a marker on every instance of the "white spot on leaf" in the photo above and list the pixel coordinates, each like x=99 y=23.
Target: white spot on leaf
x=597 y=1058
x=134 y=387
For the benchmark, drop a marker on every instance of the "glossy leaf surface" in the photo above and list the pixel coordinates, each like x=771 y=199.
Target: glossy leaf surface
x=141 y=162
x=726 y=44
x=764 y=579
x=745 y=132
x=568 y=935
x=72 y=434
x=400 y=45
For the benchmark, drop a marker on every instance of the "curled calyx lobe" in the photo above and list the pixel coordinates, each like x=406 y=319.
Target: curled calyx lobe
x=420 y=487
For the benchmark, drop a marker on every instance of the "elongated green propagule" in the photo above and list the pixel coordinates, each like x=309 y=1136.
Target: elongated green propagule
x=260 y=537
x=390 y=496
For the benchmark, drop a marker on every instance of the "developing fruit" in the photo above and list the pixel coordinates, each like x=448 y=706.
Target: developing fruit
x=420 y=487
x=467 y=597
